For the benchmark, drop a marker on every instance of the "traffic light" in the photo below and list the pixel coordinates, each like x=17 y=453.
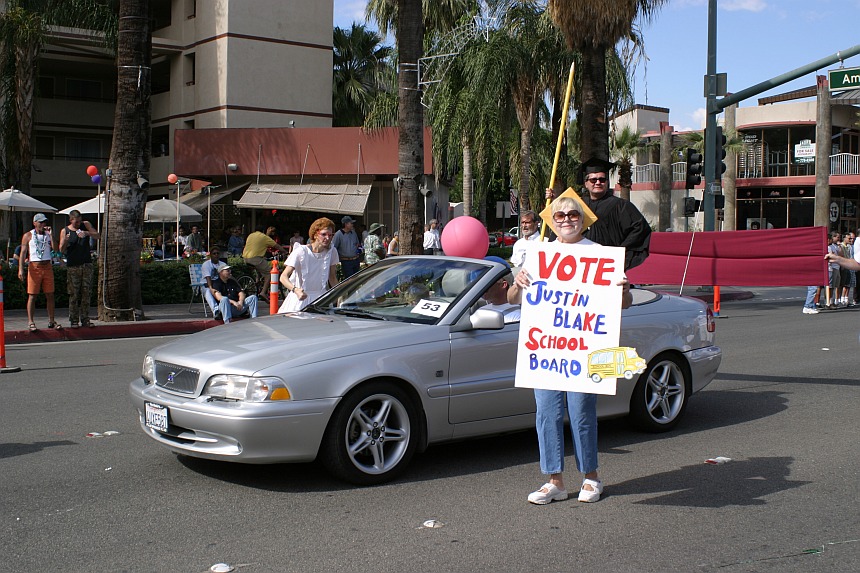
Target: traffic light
x=719 y=154
x=691 y=206
x=694 y=168
x=719 y=201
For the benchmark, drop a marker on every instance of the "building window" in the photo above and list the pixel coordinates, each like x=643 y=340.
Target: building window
x=776 y=152
x=189 y=68
x=79 y=149
x=83 y=89
x=43 y=147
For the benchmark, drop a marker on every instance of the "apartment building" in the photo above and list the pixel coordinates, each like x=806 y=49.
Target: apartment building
x=776 y=169
x=215 y=64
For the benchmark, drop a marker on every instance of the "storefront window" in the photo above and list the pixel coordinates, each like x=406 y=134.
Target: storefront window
x=776 y=152
x=802 y=143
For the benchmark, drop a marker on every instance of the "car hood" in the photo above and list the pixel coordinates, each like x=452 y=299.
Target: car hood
x=250 y=346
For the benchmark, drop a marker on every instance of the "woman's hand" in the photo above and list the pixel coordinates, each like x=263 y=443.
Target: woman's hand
x=522 y=280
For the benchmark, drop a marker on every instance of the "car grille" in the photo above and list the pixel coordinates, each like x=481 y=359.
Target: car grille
x=176 y=378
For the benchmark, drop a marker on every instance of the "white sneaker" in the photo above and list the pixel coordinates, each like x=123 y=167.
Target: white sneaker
x=546 y=494
x=810 y=310
x=592 y=495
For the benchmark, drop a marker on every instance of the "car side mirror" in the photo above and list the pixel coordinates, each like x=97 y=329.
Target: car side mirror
x=486 y=319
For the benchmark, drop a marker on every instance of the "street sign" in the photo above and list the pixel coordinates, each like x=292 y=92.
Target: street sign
x=844 y=79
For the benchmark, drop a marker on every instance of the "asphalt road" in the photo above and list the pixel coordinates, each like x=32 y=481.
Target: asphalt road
x=784 y=409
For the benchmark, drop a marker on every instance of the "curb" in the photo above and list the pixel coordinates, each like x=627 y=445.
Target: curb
x=107 y=331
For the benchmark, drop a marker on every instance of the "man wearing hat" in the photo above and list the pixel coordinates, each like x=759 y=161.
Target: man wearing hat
x=254 y=255
x=37 y=250
x=619 y=222
x=373 y=250
x=347 y=244
x=230 y=297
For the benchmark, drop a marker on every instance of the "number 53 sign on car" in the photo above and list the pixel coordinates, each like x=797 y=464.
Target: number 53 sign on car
x=571 y=320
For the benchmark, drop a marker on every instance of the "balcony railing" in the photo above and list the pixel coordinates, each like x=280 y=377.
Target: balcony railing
x=840 y=164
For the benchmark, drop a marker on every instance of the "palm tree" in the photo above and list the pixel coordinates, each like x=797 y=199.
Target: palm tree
x=25 y=26
x=593 y=28
x=409 y=19
x=626 y=145
x=359 y=65
x=119 y=287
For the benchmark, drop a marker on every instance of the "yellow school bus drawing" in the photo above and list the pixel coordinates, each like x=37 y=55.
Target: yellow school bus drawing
x=621 y=361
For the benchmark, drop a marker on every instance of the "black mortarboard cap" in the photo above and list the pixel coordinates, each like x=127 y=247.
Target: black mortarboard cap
x=595 y=165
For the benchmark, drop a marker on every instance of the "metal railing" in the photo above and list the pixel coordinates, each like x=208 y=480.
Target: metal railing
x=840 y=164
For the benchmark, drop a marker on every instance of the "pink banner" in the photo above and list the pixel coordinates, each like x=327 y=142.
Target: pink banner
x=769 y=257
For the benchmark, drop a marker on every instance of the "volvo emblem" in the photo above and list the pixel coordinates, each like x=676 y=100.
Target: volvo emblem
x=170 y=377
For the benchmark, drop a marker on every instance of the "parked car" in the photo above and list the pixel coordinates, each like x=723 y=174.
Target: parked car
x=500 y=239
x=389 y=361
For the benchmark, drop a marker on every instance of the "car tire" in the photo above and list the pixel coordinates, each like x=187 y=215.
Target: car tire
x=372 y=435
x=660 y=397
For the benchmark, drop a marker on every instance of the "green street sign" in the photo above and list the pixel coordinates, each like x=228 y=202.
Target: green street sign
x=844 y=79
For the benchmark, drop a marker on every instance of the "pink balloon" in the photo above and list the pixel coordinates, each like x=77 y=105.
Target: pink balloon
x=172 y=178
x=92 y=170
x=96 y=178
x=465 y=237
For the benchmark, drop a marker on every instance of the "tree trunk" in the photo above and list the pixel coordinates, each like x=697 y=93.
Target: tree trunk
x=664 y=208
x=730 y=179
x=525 y=169
x=26 y=57
x=468 y=191
x=595 y=129
x=119 y=284
x=823 y=134
x=410 y=117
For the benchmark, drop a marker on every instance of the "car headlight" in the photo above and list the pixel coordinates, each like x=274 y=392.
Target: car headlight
x=148 y=372
x=246 y=388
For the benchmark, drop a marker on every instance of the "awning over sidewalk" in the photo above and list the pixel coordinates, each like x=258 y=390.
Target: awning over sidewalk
x=338 y=198
x=198 y=200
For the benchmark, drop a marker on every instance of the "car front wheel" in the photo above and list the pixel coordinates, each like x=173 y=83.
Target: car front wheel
x=372 y=435
x=661 y=394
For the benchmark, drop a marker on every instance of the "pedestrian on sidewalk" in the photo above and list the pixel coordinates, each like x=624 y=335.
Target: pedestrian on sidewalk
x=36 y=254
x=75 y=245
x=230 y=296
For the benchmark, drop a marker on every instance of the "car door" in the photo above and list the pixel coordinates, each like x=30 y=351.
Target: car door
x=481 y=377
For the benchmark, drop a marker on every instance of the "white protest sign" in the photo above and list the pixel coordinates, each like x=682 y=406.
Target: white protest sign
x=571 y=313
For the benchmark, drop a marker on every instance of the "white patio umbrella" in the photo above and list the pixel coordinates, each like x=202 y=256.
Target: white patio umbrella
x=90 y=206
x=13 y=200
x=165 y=211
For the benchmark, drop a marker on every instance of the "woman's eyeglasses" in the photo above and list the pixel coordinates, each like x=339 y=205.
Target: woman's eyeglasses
x=560 y=216
x=596 y=180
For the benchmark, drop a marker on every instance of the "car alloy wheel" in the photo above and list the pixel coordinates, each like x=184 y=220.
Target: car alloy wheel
x=661 y=394
x=372 y=435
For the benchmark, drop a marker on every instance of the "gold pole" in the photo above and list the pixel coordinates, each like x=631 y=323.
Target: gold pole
x=561 y=131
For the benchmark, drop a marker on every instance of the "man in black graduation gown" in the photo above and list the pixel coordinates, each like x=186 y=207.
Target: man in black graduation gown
x=619 y=222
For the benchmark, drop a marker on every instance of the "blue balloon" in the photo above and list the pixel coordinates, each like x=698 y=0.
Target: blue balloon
x=96 y=178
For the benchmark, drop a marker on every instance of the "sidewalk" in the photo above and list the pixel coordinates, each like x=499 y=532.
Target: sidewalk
x=175 y=319
x=160 y=320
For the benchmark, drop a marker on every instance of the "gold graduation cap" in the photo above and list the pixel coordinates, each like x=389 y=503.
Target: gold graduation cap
x=588 y=216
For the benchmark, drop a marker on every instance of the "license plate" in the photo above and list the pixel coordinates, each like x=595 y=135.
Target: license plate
x=156 y=416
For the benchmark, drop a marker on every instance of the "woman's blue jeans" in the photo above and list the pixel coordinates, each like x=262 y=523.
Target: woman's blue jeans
x=582 y=409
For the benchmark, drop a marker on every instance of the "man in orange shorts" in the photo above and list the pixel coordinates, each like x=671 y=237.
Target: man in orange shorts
x=36 y=254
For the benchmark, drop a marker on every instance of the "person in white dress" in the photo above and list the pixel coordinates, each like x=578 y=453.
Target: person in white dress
x=310 y=269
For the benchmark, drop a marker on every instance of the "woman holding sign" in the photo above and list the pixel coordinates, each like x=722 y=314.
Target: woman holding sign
x=567 y=222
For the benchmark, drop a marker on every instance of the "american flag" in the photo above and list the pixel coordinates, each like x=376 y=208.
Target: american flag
x=515 y=202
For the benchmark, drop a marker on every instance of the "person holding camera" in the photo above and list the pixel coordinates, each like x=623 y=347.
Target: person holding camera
x=36 y=254
x=75 y=245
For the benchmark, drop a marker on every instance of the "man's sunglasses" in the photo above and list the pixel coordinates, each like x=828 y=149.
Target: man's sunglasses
x=596 y=179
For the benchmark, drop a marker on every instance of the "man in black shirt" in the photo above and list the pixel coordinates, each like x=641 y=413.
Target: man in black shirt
x=230 y=297
x=75 y=245
x=619 y=222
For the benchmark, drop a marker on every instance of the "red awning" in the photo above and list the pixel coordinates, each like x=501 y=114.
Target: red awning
x=769 y=257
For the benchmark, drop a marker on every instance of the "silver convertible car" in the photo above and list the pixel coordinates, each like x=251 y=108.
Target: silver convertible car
x=397 y=357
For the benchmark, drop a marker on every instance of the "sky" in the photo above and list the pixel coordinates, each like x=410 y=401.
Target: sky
x=756 y=41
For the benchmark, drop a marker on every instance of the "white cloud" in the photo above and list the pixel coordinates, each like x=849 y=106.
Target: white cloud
x=746 y=5
x=348 y=11
x=700 y=116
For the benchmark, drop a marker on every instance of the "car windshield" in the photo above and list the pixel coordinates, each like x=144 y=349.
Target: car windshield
x=419 y=290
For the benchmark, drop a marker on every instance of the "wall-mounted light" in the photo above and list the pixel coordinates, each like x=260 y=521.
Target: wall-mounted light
x=142 y=181
x=292 y=123
x=232 y=166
